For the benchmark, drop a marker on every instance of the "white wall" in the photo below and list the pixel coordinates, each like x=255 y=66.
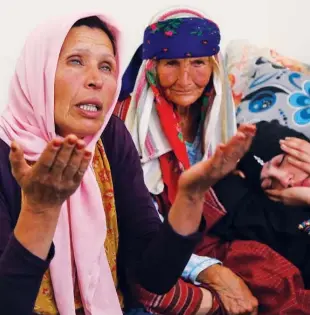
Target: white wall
x=284 y=27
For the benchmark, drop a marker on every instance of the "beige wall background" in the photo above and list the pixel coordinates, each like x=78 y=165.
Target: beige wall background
x=274 y=23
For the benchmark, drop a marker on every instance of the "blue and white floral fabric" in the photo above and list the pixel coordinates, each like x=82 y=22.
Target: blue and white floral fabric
x=276 y=93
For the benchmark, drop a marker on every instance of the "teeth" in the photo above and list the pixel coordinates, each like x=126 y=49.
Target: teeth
x=89 y=107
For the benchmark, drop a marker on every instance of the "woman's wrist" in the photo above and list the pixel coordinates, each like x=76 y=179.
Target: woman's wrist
x=185 y=213
x=36 y=227
x=42 y=211
x=33 y=207
x=191 y=199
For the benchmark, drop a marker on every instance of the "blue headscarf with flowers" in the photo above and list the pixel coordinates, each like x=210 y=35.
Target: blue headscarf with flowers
x=172 y=39
x=181 y=38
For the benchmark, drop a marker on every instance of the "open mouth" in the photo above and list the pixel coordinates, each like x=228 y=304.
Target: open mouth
x=89 y=107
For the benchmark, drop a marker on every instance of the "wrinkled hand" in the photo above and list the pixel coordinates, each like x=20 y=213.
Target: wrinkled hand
x=233 y=292
x=294 y=196
x=200 y=177
x=55 y=176
x=298 y=151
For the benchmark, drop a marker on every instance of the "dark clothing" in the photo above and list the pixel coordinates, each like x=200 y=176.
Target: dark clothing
x=251 y=215
x=137 y=311
x=146 y=245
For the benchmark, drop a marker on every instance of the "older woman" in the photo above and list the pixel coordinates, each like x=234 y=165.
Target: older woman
x=179 y=110
x=76 y=220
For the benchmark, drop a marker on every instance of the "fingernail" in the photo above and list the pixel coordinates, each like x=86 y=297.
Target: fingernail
x=239 y=133
x=13 y=147
x=56 y=143
x=71 y=141
x=80 y=146
x=87 y=153
x=221 y=146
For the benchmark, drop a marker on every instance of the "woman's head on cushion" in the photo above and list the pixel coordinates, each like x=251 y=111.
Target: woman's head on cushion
x=266 y=161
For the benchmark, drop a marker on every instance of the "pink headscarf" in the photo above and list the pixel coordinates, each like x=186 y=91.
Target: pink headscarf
x=29 y=119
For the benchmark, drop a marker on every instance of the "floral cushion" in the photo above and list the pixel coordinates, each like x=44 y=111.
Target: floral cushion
x=240 y=57
x=274 y=92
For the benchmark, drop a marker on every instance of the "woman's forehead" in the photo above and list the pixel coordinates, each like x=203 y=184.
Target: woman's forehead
x=187 y=59
x=84 y=38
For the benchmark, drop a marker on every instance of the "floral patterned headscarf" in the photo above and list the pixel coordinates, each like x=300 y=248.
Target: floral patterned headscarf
x=181 y=38
x=172 y=38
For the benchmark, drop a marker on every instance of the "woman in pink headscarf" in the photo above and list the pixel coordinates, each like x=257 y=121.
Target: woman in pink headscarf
x=76 y=220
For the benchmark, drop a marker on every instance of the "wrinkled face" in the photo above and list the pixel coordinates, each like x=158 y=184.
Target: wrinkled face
x=85 y=82
x=184 y=80
x=278 y=173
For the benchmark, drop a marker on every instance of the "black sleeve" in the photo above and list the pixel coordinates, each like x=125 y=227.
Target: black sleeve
x=20 y=271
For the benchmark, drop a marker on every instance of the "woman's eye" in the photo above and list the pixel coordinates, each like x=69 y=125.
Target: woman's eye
x=172 y=63
x=198 y=62
x=106 y=68
x=75 y=61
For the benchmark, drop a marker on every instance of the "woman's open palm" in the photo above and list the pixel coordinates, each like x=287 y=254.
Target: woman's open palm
x=55 y=176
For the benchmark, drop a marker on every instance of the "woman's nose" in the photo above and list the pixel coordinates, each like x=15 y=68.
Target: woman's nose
x=94 y=79
x=282 y=176
x=184 y=78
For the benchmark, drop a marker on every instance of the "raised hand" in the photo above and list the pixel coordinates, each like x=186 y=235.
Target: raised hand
x=205 y=174
x=55 y=176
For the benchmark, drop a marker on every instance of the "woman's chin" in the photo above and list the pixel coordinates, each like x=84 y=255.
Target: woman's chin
x=82 y=130
x=184 y=101
x=85 y=131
